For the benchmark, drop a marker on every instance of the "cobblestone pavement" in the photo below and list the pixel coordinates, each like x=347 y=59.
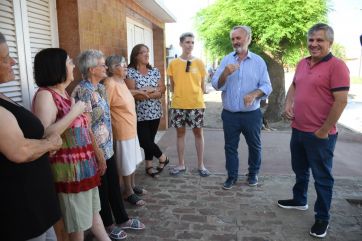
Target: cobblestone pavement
x=189 y=207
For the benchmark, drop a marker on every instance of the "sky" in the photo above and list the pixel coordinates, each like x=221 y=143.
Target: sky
x=184 y=11
x=345 y=18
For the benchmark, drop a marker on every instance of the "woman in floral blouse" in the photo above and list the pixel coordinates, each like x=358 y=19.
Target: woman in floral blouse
x=142 y=76
x=93 y=93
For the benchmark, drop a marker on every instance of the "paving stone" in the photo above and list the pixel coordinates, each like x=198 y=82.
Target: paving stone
x=210 y=211
x=223 y=237
x=194 y=208
x=194 y=218
x=205 y=227
x=189 y=235
x=183 y=210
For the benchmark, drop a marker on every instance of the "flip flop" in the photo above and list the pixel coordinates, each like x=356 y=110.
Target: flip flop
x=176 y=171
x=133 y=223
x=134 y=199
x=204 y=172
x=139 y=190
x=117 y=233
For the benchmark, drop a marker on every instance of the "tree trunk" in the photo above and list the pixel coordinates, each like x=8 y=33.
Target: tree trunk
x=277 y=97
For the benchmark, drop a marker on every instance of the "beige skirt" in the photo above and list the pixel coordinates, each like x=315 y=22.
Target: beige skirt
x=128 y=156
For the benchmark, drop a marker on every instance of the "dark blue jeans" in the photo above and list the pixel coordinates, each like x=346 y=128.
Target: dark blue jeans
x=249 y=124
x=311 y=152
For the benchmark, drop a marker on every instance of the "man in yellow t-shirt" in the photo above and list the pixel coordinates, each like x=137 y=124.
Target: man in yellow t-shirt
x=187 y=75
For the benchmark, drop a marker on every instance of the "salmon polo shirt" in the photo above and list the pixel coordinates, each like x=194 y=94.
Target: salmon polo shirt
x=314 y=87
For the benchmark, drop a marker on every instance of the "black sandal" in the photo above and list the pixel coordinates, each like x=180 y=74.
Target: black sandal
x=139 y=190
x=160 y=169
x=134 y=199
x=151 y=174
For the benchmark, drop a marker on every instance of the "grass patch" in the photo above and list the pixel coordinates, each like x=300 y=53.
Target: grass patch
x=356 y=80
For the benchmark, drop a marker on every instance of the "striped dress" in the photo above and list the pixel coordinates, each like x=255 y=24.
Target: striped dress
x=74 y=165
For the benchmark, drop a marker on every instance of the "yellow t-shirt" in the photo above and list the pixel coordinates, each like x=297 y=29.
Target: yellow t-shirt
x=123 y=112
x=187 y=90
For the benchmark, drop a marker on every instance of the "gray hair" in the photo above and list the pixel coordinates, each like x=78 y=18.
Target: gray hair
x=322 y=26
x=111 y=61
x=2 y=38
x=245 y=28
x=185 y=35
x=88 y=59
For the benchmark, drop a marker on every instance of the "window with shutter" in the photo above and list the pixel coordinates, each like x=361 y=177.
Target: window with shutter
x=7 y=27
x=139 y=34
x=29 y=26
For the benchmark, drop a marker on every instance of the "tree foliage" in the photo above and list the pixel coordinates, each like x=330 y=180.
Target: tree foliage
x=338 y=50
x=279 y=26
x=279 y=30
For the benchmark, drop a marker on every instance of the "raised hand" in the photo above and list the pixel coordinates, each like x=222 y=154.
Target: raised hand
x=78 y=108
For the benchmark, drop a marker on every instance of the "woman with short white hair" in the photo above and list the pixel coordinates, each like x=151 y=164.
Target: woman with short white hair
x=92 y=66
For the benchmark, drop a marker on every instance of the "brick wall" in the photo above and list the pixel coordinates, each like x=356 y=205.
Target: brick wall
x=159 y=58
x=101 y=24
x=91 y=24
x=68 y=29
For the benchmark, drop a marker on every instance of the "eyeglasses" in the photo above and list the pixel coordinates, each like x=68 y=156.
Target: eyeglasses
x=188 y=64
x=122 y=64
x=7 y=59
x=101 y=65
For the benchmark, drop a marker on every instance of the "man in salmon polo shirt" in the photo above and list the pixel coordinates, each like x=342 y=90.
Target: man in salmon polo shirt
x=314 y=103
x=187 y=75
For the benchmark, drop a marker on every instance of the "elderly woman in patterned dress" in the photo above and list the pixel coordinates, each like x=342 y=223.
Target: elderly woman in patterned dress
x=75 y=169
x=93 y=93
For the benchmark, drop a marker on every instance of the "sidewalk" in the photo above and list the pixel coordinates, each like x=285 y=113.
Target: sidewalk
x=189 y=207
x=193 y=208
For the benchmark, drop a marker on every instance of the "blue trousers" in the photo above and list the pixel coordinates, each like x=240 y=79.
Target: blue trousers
x=249 y=124
x=309 y=152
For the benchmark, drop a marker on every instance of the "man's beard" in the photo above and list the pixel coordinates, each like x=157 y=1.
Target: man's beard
x=239 y=49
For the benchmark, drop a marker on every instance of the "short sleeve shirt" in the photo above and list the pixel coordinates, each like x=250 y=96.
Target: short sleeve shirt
x=95 y=98
x=146 y=109
x=314 y=87
x=187 y=86
x=123 y=111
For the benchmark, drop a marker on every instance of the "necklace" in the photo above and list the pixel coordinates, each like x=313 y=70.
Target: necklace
x=60 y=92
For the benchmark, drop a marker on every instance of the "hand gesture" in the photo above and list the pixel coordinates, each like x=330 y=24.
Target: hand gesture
x=288 y=111
x=78 y=107
x=249 y=99
x=148 y=89
x=55 y=142
x=231 y=68
x=102 y=165
x=321 y=134
x=142 y=95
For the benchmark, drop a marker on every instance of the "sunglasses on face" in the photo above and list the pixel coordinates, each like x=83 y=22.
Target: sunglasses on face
x=188 y=64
